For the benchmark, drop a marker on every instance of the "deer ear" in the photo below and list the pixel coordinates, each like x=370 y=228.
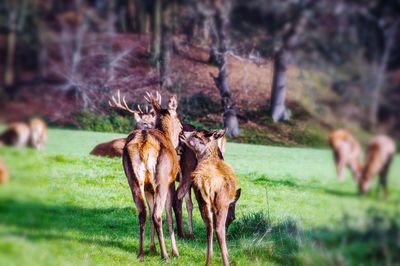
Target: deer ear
x=218 y=133
x=173 y=104
x=238 y=193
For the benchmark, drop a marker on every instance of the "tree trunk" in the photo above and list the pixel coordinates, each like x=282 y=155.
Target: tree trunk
x=292 y=31
x=166 y=49
x=389 y=36
x=9 y=75
x=156 y=51
x=220 y=47
x=278 y=91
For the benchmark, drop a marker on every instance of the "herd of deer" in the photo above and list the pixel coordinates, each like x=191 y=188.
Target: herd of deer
x=21 y=134
x=160 y=150
x=347 y=150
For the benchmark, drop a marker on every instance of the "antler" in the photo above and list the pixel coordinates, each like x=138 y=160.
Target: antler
x=116 y=103
x=149 y=97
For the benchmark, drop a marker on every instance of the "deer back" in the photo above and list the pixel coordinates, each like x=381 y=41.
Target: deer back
x=111 y=148
x=380 y=149
x=17 y=134
x=344 y=144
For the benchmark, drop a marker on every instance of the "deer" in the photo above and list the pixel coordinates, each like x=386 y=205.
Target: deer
x=346 y=151
x=151 y=166
x=380 y=152
x=188 y=163
x=16 y=134
x=145 y=119
x=109 y=149
x=215 y=187
x=3 y=172
x=38 y=133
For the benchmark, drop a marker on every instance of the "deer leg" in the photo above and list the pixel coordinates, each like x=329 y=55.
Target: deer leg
x=339 y=160
x=383 y=176
x=177 y=205
x=189 y=208
x=220 y=230
x=138 y=198
x=170 y=222
x=206 y=214
x=160 y=198
x=150 y=202
x=182 y=190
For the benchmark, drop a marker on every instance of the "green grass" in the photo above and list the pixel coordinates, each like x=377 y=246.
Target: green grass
x=64 y=207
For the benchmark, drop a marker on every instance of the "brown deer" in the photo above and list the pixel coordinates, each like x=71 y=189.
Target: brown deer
x=214 y=184
x=188 y=163
x=144 y=120
x=151 y=165
x=3 y=172
x=110 y=149
x=380 y=152
x=17 y=134
x=38 y=133
x=346 y=150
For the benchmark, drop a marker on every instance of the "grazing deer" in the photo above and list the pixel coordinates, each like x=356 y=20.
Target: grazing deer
x=3 y=172
x=214 y=185
x=380 y=152
x=17 y=134
x=346 y=150
x=188 y=163
x=151 y=165
x=38 y=136
x=144 y=120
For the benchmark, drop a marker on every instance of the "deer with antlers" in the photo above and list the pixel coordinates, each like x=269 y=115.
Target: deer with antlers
x=215 y=187
x=346 y=151
x=144 y=120
x=380 y=153
x=151 y=165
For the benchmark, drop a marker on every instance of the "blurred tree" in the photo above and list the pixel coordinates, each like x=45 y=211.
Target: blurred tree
x=219 y=54
x=16 y=21
x=290 y=35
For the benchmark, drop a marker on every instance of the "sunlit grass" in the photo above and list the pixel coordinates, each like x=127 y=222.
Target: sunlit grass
x=64 y=207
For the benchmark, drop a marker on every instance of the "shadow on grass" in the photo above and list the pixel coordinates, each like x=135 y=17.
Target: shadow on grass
x=375 y=242
x=109 y=227
x=38 y=221
x=252 y=236
x=263 y=180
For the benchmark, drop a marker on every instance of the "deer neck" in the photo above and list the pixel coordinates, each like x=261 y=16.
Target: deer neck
x=170 y=131
x=210 y=153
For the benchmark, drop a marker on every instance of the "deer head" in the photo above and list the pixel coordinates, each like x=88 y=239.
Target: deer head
x=144 y=119
x=232 y=209
x=200 y=140
x=166 y=120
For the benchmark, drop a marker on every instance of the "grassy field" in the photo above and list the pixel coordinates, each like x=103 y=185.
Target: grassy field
x=64 y=207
